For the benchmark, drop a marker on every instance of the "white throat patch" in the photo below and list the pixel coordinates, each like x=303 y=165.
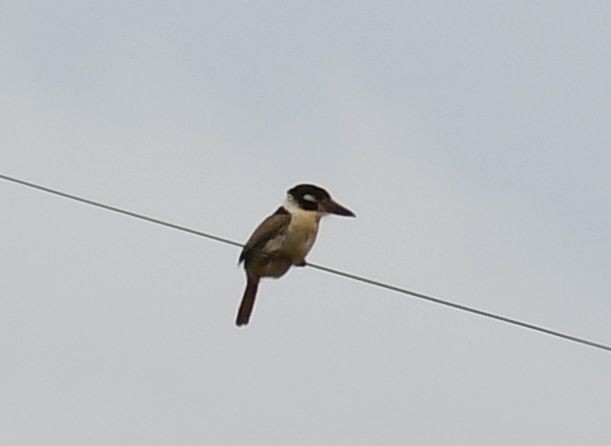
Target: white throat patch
x=290 y=204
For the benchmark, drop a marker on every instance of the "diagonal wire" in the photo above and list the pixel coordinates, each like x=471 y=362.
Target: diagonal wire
x=122 y=211
x=326 y=269
x=461 y=307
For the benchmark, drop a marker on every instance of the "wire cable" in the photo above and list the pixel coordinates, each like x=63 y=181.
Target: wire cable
x=326 y=269
x=122 y=211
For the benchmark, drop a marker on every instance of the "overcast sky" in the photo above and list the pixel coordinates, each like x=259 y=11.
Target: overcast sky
x=470 y=138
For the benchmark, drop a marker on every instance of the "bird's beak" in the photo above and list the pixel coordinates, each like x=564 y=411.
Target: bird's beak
x=332 y=207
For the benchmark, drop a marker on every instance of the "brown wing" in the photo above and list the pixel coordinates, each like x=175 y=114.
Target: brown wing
x=271 y=226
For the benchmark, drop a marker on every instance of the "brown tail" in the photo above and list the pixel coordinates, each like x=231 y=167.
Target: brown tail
x=248 y=301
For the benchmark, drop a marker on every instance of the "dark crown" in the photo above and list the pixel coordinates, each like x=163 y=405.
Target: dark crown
x=304 y=193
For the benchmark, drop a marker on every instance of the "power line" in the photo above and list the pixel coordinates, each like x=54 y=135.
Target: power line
x=462 y=307
x=350 y=276
x=121 y=211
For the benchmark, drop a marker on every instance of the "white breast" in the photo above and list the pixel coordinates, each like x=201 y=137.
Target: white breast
x=301 y=234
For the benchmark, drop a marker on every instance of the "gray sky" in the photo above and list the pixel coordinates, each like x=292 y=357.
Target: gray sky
x=471 y=139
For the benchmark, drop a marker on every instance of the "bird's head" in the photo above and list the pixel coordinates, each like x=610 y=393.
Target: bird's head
x=313 y=198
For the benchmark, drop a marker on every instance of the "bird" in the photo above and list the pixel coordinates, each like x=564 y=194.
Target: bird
x=284 y=239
